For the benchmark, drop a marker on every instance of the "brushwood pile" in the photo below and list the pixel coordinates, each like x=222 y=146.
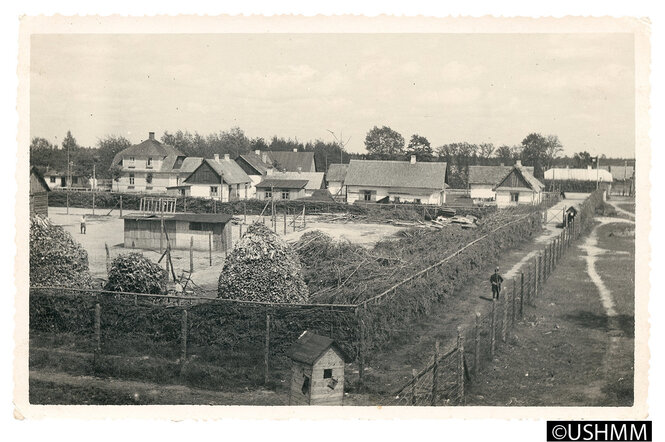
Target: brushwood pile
x=262 y=267
x=56 y=259
x=133 y=272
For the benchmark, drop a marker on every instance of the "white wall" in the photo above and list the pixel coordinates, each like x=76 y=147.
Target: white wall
x=334 y=188
x=525 y=197
x=482 y=191
x=356 y=193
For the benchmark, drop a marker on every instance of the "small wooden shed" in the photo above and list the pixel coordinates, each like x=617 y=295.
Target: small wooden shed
x=39 y=190
x=317 y=371
x=569 y=216
x=201 y=230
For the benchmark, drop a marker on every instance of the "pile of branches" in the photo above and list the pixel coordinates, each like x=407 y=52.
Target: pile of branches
x=261 y=267
x=55 y=258
x=135 y=273
x=339 y=271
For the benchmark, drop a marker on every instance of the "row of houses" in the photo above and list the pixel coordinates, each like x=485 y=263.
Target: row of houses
x=155 y=167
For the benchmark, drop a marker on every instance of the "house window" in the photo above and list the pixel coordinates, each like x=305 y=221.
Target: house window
x=305 y=386
x=396 y=199
x=131 y=179
x=268 y=194
x=182 y=192
x=367 y=195
x=148 y=178
x=514 y=197
x=214 y=191
x=195 y=226
x=285 y=194
x=150 y=162
x=417 y=201
x=53 y=179
x=327 y=373
x=131 y=162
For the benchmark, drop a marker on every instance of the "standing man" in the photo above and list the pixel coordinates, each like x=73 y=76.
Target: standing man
x=83 y=224
x=496 y=281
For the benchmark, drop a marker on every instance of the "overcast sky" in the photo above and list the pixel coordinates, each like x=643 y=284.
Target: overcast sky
x=447 y=87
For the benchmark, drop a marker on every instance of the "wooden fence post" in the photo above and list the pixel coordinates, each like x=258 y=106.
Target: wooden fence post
x=476 y=345
x=121 y=206
x=504 y=323
x=267 y=350
x=513 y=299
x=93 y=202
x=191 y=254
x=210 y=248
x=493 y=328
x=361 y=349
x=240 y=234
x=414 y=372
x=304 y=216
x=435 y=374
x=460 y=362
x=183 y=337
x=521 y=295
x=244 y=212
x=294 y=219
x=108 y=259
x=98 y=327
x=536 y=286
x=285 y=210
x=67 y=196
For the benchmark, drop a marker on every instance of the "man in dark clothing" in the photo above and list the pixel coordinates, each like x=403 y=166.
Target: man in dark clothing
x=496 y=281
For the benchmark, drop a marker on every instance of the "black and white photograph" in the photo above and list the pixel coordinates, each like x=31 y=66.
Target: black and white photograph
x=422 y=220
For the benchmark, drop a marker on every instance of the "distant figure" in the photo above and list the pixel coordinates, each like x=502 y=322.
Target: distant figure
x=496 y=281
x=83 y=224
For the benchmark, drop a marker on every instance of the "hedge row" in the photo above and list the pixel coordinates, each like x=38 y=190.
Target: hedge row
x=227 y=335
x=132 y=201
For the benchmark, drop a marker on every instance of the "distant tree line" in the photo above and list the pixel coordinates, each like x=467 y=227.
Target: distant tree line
x=381 y=143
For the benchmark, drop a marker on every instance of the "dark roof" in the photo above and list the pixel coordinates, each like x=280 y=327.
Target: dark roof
x=490 y=174
x=532 y=181
x=40 y=178
x=149 y=147
x=310 y=347
x=336 y=172
x=282 y=184
x=190 y=217
x=396 y=174
x=181 y=164
x=255 y=162
x=290 y=161
x=228 y=170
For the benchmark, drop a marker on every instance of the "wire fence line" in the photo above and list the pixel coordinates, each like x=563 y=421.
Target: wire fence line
x=476 y=345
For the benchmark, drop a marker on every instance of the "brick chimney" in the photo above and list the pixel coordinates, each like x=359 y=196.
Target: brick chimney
x=257 y=152
x=295 y=149
x=518 y=163
x=299 y=169
x=413 y=159
x=227 y=157
x=151 y=136
x=217 y=157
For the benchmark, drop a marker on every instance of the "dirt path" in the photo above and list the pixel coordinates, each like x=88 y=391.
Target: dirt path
x=576 y=347
x=412 y=347
x=619 y=209
x=60 y=388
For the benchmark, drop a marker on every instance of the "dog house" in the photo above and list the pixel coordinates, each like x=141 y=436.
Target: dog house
x=317 y=371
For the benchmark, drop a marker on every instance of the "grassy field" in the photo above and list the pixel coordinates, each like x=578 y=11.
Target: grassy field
x=568 y=351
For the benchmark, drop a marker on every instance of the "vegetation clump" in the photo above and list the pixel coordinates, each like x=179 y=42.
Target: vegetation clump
x=135 y=273
x=55 y=258
x=261 y=267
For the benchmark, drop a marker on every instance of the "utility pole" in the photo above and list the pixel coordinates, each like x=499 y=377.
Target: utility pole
x=597 y=171
x=342 y=144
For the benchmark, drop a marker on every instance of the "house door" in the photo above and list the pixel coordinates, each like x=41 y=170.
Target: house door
x=63 y=181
